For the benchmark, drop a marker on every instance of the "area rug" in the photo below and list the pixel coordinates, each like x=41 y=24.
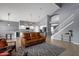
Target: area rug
x=43 y=49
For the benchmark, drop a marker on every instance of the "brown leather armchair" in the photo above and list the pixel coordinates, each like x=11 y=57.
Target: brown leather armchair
x=5 y=50
x=3 y=43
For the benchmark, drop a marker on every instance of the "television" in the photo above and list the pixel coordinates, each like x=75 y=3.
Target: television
x=17 y=34
x=27 y=28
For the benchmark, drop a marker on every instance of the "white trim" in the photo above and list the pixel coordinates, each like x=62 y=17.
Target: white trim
x=75 y=42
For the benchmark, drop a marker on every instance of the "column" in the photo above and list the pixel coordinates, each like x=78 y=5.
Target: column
x=48 y=27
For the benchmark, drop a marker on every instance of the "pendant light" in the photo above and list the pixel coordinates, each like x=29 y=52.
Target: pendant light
x=8 y=19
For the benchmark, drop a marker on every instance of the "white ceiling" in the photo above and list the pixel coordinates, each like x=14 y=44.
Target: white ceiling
x=33 y=12
x=55 y=19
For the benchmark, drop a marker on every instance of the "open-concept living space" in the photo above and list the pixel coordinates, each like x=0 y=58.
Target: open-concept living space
x=39 y=29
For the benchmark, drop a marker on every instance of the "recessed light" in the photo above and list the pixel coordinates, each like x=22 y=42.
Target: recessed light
x=8 y=14
x=39 y=16
x=8 y=24
x=40 y=8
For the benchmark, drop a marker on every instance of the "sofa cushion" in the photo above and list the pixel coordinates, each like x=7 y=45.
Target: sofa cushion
x=27 y=36
x=31 y=41
x=38 y=35
x=33 y=35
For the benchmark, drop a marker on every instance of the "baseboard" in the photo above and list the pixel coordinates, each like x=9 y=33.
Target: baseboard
x=67 y=41
x=75 y=43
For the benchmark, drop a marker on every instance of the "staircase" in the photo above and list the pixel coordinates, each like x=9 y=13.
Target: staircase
x=65 y=24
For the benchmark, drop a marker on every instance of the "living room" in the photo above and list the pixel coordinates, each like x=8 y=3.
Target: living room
x=39 y=29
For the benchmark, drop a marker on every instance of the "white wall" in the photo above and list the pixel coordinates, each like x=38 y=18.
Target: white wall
x=4 y=28
x=14 y=26
x=36 y=29
x=67 y=10
x=43 y=21
x=76 y=28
